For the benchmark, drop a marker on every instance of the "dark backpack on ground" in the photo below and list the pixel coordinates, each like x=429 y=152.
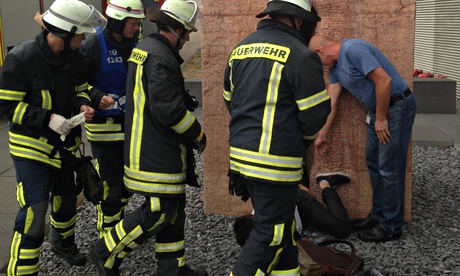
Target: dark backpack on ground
x=322 y=259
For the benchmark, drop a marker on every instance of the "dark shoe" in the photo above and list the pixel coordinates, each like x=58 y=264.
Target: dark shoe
x=187 y=271
x=377 y=234
x=71 y=254
x=101 y=269
x=368 y=222
x=334 y=178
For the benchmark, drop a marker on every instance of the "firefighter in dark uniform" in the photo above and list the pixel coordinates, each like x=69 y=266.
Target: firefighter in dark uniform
x=107 y=61
x=42 y=85
x=158 y=128
x=276 y=95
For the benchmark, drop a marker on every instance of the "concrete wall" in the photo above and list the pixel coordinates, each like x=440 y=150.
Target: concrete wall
x=389 y=25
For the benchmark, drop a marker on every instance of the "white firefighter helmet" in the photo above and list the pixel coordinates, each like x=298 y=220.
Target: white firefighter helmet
x=183 y=11
x=120 y=9
x=299 y=8
x=304 y=4
x=74 y=16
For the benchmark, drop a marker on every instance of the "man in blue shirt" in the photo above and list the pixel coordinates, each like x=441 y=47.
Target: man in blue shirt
x=368 y=75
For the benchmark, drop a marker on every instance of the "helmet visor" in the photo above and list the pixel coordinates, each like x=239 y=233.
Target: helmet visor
x=93 y=24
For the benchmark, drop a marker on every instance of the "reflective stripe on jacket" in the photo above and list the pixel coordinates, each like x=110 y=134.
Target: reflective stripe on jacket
x=157 y=120
x=275 y=111
x=34 y=83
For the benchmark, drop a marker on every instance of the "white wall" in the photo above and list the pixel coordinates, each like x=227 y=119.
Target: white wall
x=18 y=18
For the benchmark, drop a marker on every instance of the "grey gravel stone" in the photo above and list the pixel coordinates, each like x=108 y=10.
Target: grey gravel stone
x=430 y=244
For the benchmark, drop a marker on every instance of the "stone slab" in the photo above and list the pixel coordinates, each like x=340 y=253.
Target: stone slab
x=435 y=95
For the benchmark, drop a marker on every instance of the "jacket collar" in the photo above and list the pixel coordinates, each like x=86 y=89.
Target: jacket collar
x=168 y=44
x=276 y=25
x=45 y=49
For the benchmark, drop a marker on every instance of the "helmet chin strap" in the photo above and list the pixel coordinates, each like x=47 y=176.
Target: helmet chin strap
x=179 y=37
x=291 y=18
x=66 y=53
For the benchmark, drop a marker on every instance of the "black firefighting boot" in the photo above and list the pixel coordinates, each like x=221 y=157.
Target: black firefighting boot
x=67 y=250
x=168 y=267
x=187 y=271
x=101 y=269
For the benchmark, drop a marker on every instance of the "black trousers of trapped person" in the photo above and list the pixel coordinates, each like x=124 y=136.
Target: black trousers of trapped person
x=270 y=247
x=163 y=218
x=110 y=166
x=332 y=219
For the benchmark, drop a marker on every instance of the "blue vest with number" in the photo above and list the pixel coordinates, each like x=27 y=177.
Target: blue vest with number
x=111 y=78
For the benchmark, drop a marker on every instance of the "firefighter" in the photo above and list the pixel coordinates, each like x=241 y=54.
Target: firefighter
x=277 y=99
x=159 y=126
x=42 y=85
x=106 y=57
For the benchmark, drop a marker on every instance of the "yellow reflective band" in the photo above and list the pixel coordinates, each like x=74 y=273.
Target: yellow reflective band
x=125 y=240
x=155 y=177
x=33 y=155
x=64 y=224
x=82 y=87
x=267 y=174
x=227 y=95
x=154 y=188
x=27 y=253
x=105 y=137
x=38 y=144
x=138 y=120
x=138 y=56
x=288 y=272
x=160 y=221
x=180 y=261
x=232 y=86
x=314 y=100
x=14 y=253
x=19 y=112
x=29 y=220
x=20 y=195
x=185 y=123
x=270 y=107
x=275 y=259
x=294 y=242
x=155 y=204
x=12 y=95
x=265 y=158
x=169 y=247
x=27 y=269
x=259 y=273
x=46 y=100
x=311 y=137
x=261 y=50
x=278 y=233
x=83 y=95
x=102 y=127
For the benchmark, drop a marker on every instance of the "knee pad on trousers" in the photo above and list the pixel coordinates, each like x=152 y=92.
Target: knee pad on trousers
x=34 y=224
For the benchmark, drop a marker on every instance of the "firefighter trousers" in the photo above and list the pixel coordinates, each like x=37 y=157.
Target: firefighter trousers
x=163 y=218
x=110 y=166
x=270 y=247
x=35 y=182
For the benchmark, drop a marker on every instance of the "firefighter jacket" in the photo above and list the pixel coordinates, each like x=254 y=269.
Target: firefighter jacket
x=35 y=83
x=276 y=95
x=106 y=60
x=157 y=120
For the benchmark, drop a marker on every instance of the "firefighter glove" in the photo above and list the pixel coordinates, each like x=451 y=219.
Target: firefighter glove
x=199 y=143
x=236 y=186
x=190 y=101
x=59 y=124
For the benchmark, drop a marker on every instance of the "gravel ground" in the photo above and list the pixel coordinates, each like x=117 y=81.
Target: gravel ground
x=430 y=244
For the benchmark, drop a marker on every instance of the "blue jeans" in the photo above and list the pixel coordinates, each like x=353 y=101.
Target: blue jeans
x=387 y=165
